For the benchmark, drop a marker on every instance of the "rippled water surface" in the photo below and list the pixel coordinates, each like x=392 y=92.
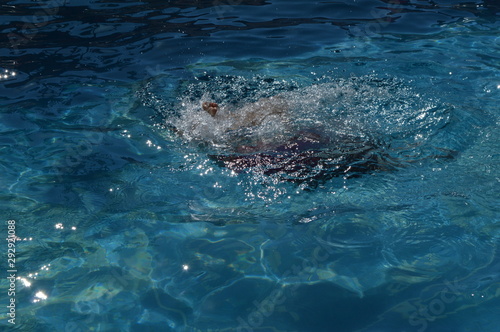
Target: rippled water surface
x=348 y=182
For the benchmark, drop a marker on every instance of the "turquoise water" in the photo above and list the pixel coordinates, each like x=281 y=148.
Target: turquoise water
x=124 y=224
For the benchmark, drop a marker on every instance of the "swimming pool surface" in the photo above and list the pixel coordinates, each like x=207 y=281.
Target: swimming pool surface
x=132 y=210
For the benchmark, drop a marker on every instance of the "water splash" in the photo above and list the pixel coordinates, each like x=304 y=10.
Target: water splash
x=336 y=127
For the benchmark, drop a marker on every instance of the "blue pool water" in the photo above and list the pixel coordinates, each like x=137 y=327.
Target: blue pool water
x=129 y=215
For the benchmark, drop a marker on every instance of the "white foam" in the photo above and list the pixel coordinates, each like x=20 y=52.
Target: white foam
x=360 y=108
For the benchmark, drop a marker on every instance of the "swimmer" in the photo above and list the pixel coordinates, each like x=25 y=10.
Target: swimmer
x=300 y=136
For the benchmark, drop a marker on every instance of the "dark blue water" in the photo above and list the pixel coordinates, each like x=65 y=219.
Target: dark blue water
x=370 y=205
